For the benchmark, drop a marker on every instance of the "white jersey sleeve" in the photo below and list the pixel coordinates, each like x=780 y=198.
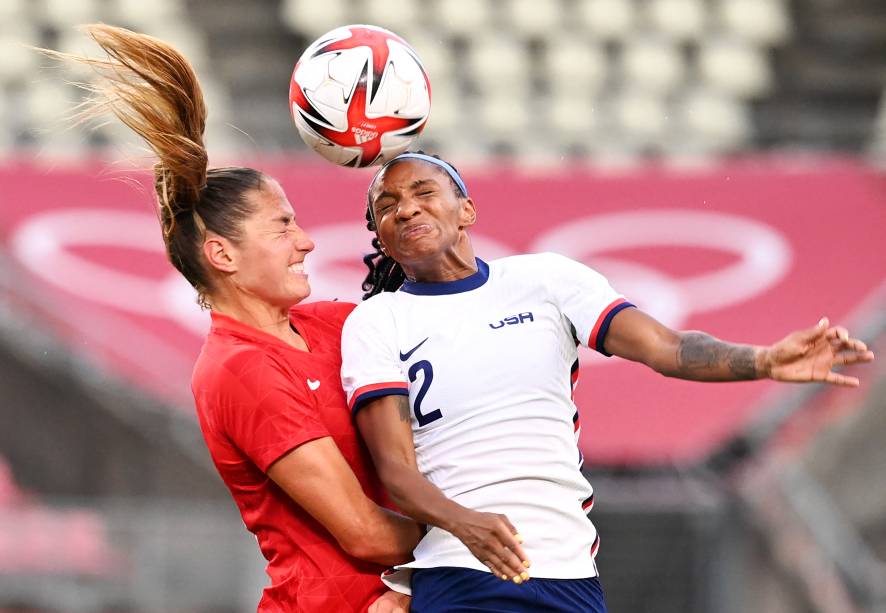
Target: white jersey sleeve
x=584 y=296
x=370 y=359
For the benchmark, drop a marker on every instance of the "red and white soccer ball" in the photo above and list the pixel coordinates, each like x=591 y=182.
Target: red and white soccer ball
x=359 y=95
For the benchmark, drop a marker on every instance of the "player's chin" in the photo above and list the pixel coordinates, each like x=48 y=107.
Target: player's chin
x=298 y=289
x=417 y=250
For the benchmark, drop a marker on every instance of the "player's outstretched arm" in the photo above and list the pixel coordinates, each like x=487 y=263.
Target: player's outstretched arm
x=318 y=478
x=385 y=424
x=802 y=356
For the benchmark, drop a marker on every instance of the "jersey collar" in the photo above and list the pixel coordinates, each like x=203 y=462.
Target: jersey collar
x=449 y=287
x=225 y=323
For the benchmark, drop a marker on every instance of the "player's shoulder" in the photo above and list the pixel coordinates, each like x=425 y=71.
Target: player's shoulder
x=329 y=311
x=226 y=359
x=545 y=258
x=548 y=271
x=377 y=312
x=374 y=306
x=524 y=263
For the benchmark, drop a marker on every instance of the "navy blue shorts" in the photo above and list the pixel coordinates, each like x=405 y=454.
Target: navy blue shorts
x=465 y=590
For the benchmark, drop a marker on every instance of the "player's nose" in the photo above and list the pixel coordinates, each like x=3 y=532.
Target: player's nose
x=407 y=208
x=304 y=243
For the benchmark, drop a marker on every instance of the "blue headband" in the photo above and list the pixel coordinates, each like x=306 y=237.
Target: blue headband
x=453 y=174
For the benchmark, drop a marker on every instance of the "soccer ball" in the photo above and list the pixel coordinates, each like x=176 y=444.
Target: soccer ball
x=359 y=95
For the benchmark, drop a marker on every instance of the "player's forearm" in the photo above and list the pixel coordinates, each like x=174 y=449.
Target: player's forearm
x=700 y=357
x=385 y=426
x=389 y=539
x=419 y=498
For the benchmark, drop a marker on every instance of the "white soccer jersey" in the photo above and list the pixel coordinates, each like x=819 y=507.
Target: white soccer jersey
x=489 y=363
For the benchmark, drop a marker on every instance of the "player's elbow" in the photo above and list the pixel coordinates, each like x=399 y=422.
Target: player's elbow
x=360 y=548
x=354 y=539
x=368 y=551
x=362 y=541
x=661 y=355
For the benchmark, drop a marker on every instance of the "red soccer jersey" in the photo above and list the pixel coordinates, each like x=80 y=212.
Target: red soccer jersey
x=257 y=399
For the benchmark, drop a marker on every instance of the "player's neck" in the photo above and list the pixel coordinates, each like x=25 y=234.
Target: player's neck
x=270 y=319
x=442 y=268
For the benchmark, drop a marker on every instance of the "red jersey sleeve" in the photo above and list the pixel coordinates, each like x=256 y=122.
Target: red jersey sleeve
x=268 y=411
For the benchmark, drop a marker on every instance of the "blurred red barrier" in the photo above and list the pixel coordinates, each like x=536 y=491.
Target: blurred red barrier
x=747 y=251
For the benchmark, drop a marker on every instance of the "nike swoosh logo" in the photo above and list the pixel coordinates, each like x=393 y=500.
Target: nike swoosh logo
x=408 y=354
x=313 y=385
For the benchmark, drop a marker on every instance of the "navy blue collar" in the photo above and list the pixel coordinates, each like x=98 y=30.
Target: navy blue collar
x=449 y=287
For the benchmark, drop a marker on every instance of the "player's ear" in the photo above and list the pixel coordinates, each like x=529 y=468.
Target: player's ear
x=220 y=253
x=468 y=213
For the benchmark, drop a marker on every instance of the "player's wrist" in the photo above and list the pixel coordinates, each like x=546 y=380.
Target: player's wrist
x=454 y=518
x=763 y=362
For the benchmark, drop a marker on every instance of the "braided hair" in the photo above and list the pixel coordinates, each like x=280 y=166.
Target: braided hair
x=385 y=274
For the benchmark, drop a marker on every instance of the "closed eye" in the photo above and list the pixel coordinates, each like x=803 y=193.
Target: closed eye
x=382 y=208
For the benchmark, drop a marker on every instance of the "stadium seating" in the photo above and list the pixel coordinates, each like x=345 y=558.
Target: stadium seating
x=451 y=16
x=660 y=74
x=314 y=18
x=533 y=17
x=607 y=20
x=36 y=103
x=35 y=539
x=708 y=69
x=878 y=142
x=652 y=65
x=680 y=20
x=571 y=67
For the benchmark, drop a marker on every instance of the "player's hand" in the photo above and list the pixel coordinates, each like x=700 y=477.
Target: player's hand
x=391 y=602
x=810 y=355
x=495 y=542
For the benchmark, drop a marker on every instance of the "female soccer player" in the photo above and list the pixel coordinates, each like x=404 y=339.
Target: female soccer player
x=461 y=384
x=266 y=384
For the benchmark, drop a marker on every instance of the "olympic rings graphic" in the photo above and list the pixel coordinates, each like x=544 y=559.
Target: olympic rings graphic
x=764 y=258
x=44 y=243
x=764 y=254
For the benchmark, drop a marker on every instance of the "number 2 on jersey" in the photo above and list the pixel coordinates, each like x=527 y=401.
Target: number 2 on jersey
x=425 y=367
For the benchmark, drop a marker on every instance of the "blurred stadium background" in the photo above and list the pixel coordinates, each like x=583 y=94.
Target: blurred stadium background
x=721 y=160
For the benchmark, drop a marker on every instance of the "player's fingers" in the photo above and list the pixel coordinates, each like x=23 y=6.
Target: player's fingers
x=501 y=569
x=515 y=555
x=853 y=357
x=513 y=530
x=515 y=566
x=816 y=331
x=387 y=606
x=515 y=542
x=857 y=345
x=852 y=344
x=839 y=333
x=488 y=564
x=503 y=543
x=842 y=380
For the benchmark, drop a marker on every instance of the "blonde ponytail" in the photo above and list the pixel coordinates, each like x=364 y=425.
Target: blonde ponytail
x=153 y=89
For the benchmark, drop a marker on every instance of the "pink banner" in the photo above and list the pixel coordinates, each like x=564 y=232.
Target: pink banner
x=747 y=252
